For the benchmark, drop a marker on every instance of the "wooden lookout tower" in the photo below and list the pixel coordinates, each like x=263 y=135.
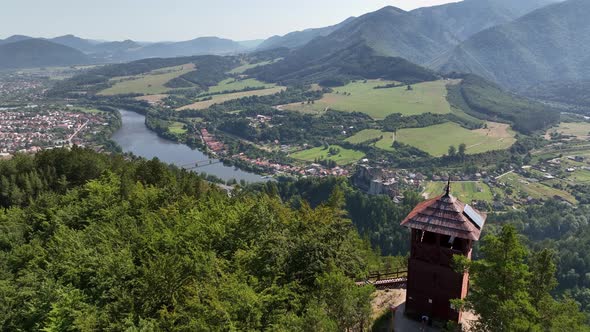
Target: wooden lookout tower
x=441 y=227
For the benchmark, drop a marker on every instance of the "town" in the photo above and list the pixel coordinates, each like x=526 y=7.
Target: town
x=34 y=128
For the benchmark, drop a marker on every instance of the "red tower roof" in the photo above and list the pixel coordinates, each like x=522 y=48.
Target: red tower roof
x=448 y=216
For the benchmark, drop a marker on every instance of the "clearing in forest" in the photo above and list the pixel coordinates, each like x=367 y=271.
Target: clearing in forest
x=361 y=96
x=364 y=136
x=152 y=99
x=580 y=130
x=177 y=128
x=342 y=156
x=241 y=69
x=218 y=99
x=152 y=82
x=232 y=84
x=464 y=191
x=436 y=139
x=524 y=187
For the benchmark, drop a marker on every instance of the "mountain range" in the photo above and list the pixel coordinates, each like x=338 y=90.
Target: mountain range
x=129 y=50
x=549 y=44
x=514 y=43
x=445 y=25
x=30 y=52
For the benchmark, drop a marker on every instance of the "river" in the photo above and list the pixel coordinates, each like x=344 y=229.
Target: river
x=136 y=138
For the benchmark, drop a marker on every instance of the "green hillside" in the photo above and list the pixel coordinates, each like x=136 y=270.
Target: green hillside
x=153 y=82
x=370 y=98
x=436 y=139
x=485 y=100
x=100 y=243
x=574 y=93
x=550 y=44
x=465 y=18
x=322 y=61
x=31 y=53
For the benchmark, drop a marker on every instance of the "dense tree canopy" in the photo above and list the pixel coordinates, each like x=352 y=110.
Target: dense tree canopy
x=511 y=288
x=108 y=244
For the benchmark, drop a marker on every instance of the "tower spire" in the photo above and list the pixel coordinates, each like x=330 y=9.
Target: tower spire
x=448 y=189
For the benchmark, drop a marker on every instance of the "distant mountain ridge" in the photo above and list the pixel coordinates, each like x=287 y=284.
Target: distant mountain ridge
x=466 y=18
x=197 y=46
x=14 y=38
x=420 y=34
x=299 y=38
x=549 y=44
x=129 y=50
x=32 y=52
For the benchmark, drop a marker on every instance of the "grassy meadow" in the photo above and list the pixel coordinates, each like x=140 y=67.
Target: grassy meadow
x=580 y=130
x=177 y=128
x=149 y=83
x=378 y=103
x=344 y=156
x=523 y=187
x=231 y=84
x=217 y=99
x=464 y=191
x=241 y=69
x=365 y=135
x=436 y=139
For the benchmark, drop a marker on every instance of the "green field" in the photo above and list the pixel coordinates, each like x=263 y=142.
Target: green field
x=218 y=99
x=232 y=84
x=580 y=176
x=436 y=139
x=241 y=69
x=177 y=128
x=386 y=143
x=378 y=103
x=344 y=157
x=537 y=190
x=464 y=191
x=365 y=135
x=580 y=130
x=149 y=83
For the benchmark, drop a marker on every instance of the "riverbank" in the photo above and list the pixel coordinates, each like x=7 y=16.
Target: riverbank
x=135 y=137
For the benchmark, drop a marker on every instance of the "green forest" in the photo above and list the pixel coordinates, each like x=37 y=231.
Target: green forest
x=94 y=242
x=90 y=241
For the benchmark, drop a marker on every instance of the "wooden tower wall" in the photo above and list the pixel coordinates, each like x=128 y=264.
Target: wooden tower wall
x=432 y=282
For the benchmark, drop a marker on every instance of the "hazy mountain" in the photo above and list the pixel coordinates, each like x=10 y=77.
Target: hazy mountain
x=337 y=68
x=38 y=53
x=390 y=32
x=117 y=46
x=300 y=38
x=14 y=38
x=469 y=17
x=78 y=43
x=251 y=44
x=549 y=44
x=570 y=93
x=446 y=24
x=198 y=46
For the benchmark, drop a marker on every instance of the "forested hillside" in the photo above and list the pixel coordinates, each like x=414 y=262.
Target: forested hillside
x=466 y=18
x=211 y=70
x=93 y=242
x=549 y=44
x=485 y=100
x=565 y=92
x=38 y=53
x=299 y=38
x=325 y=63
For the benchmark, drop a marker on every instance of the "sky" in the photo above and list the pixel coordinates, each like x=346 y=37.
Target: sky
x=173 y=20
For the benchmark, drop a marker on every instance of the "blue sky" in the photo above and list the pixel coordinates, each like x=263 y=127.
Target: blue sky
x=154 y=20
